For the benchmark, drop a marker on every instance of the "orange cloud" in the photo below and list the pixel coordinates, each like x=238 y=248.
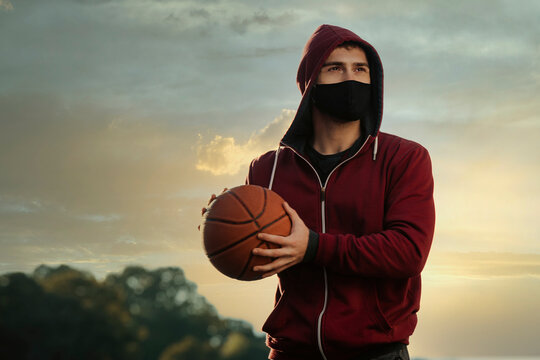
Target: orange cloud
x=223 y=155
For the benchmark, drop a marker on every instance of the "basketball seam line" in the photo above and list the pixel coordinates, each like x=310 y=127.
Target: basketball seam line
x=217 y=252
x=232 y=222
x=229 y=221
x=243 y=272
x=247 y=209
x=254 y=218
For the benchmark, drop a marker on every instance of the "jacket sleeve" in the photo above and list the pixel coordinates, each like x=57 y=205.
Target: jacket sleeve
x=400 y=250
x=260 y=169
x=249 y=176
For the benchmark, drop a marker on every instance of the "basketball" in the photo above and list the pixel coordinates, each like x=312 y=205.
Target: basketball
x=231 y=224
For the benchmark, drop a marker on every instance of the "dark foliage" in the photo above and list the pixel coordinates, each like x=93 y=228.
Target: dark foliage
x=62 y=313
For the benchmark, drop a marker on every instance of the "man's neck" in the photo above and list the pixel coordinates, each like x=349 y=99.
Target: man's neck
x=331 y=136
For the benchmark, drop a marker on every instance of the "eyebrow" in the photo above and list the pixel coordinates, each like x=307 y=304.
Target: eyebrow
x=342 y=63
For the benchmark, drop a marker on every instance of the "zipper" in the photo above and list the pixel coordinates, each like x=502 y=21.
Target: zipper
x=319 y=320
x=323 y=226
x=323 y=212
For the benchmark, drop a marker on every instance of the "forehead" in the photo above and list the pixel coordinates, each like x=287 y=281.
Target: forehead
x=347 y=55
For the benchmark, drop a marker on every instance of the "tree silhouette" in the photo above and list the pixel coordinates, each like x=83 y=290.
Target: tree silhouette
x=188 y=349
x=64 y=313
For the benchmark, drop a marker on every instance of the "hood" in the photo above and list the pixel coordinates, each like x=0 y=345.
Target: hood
x=323 y=41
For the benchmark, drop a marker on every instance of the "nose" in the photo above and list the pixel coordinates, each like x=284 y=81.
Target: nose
x=348 y=75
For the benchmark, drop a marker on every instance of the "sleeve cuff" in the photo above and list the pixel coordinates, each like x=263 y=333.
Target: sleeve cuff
x=313 y=244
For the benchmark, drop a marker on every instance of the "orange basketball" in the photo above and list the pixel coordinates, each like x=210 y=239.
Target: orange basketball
x=231 y=224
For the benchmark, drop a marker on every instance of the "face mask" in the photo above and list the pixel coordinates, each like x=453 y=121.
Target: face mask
x=346 y=101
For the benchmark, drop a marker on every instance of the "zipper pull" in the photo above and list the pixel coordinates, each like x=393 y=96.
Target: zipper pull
x=323 y=194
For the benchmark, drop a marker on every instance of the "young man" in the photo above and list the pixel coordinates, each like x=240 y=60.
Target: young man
x=361 y=204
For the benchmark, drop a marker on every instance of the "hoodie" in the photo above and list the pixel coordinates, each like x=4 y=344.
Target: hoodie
x=374 y=216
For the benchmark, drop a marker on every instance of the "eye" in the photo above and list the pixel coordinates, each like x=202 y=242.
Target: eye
x=333 y=68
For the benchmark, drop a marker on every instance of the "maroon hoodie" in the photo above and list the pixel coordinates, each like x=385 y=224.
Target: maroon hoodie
x=375 y=219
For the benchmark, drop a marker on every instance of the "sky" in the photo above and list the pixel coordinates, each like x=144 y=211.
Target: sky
x=119 y=118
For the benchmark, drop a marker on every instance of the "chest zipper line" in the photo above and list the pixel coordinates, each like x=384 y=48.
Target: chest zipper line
x=323 y=225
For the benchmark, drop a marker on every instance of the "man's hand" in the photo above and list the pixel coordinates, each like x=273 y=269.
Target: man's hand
x=293 y=247
x=212 y=198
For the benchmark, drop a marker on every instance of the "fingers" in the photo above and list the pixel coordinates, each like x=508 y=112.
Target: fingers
x=277 y=267
x=276 y=271
x=212 y=198
x=274 y=265
x=295 y=218
x=289 y=209
x=273 y=253
x=275 y=239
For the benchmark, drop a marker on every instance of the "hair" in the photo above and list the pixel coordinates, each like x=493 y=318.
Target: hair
x=350 y=45
x=354 y=45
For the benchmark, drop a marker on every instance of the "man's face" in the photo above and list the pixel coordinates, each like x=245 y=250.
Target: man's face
x=345 y=64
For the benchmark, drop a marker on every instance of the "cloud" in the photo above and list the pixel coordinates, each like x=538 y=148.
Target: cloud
x=483 y=265
x=92 y=2
x=77 y=180
x=199 y=12
x=261 y=18
x=124 y=55
x=6 y=5
x=223 y=155
x=100 y=217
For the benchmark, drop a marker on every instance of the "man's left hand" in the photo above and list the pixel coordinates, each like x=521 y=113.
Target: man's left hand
x=292 y=250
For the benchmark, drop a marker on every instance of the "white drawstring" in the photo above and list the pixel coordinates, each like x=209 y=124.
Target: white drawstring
x=376 y=147
x=274 y=168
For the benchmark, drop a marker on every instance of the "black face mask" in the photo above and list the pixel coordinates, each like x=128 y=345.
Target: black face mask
x=346 y=101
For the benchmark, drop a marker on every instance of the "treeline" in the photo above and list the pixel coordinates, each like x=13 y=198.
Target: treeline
x=63 y=313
